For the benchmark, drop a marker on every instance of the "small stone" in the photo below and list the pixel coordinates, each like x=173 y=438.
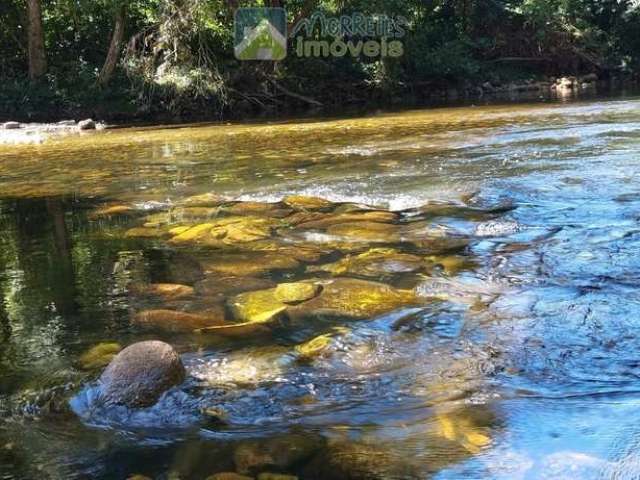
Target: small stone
x=168 y=291
x=87 y=124
x=11 y=125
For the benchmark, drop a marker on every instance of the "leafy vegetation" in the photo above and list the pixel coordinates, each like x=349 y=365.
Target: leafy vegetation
x=144 y=58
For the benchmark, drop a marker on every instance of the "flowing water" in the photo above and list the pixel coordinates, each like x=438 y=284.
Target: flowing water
x=517 y=357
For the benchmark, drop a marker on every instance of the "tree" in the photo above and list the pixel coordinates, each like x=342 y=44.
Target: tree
x=115 y=46
x=36 y=49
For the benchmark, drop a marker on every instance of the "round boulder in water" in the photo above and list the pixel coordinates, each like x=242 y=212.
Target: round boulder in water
x=141 y=373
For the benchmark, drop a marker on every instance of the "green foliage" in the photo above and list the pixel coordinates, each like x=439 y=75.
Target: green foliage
x=178 y=56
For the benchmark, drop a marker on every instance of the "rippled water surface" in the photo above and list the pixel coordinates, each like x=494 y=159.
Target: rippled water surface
x=484 y=292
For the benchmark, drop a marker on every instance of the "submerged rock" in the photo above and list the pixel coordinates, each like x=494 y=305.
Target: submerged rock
x=168 y=291
x=373 y=263
x=249 y=264
x=261 y=209
x=321 y=222
x=293 y=293
x=304 y=203
x=355 y=299
x=141 y=373
x=99 y=356
x=220 y=287
x=228 y=476
x=276 y=476
x=281 y=452
x=256 y=307
x=111 y=211
x=360 y=461
x=209 y=199
x=180 y=321
x=11 y=125
x=226 y=231
x=366 y=232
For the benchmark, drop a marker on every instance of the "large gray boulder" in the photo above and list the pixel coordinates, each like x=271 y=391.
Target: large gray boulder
x=141 y=373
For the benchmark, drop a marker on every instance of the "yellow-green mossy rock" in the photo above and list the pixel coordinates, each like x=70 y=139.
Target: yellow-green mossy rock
x=318 y=346
x=227 y=231
x=111 y=211
x=276 y=476
x=228 y=476
x=352 y=298
x=99 y=356
x=138 y=477
x=221 y=287
x=373 y=263
x=261 y=209
x=192 y=234
x=379 y=216
x=305 y=252
x=293 y=293
x=248 y=264
x=462 y=428
x=304 y=203
x=168 y=291
x=366 y=232
x=281 y=452
x=142 y=232
x=256 y=307
x=194 y=213
x=203 y=200
x=176 y=321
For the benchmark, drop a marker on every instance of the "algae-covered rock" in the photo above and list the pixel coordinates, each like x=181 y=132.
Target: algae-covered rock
x=456 y=210
x=248 y=264
x=355 y=299
x=304 y=203
x=227 y=231
x=175 y=321
x=366 y=232
x=144 y=232
x=217 y=287
x=294 y=293
x=258 y=307
x=318 y=346
x=282 y=452
x=360 y=461
x=99 y=356
x=321 y=222
x=373 y=263
x=266 y=305
x=463 y=431
x=228 y=476
x=141 y=373
x=276 y=476
x=260 y=209
x=303 y=252
x=203 y=200
x=167 y=291
x=111 y=211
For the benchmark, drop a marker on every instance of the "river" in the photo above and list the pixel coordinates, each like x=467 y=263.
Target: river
x=501 y=343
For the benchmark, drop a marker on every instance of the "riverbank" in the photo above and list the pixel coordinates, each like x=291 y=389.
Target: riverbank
x=285 y=102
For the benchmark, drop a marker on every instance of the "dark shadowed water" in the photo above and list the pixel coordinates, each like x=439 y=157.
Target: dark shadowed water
x=519 y=360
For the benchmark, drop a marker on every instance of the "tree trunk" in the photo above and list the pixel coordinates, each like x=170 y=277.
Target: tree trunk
x=114 y=48
x=36 y=52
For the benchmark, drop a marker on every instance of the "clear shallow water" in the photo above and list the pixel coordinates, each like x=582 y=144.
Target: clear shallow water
x=539 y=381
